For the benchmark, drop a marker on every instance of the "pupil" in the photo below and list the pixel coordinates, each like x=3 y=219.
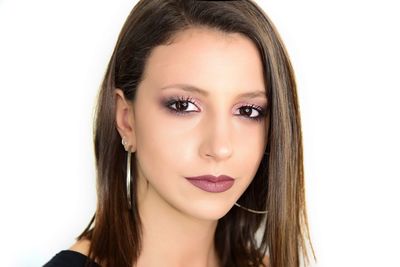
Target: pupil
x=246 y=111
x=181 y=105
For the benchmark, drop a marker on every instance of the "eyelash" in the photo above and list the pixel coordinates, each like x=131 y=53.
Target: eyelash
x=175 y=100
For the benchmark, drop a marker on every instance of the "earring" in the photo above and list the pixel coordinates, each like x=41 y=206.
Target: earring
x=128 y=173
x=251 y=210
x=124 y=142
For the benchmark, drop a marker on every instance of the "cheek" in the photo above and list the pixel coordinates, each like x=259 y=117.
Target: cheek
x=251 y=142
x=161 y=148
x=250 y=137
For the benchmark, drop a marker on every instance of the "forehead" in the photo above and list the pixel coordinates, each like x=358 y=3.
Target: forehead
x=209 y=59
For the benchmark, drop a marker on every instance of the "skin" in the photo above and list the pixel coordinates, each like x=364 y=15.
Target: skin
x=216 y=138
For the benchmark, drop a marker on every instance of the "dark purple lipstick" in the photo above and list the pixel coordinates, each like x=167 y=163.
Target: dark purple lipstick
x=212 y=184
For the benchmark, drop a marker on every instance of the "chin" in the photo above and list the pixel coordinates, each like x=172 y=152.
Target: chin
x=209 y=212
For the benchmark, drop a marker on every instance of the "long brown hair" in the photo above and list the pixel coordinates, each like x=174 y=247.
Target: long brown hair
x=115 y=232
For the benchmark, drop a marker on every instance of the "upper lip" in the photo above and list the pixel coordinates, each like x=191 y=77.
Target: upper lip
x=211 y=178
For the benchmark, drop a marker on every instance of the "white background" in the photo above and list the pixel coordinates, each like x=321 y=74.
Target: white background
x=346 y=57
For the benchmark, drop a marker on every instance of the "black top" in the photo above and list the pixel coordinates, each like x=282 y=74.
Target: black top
x=69 y=258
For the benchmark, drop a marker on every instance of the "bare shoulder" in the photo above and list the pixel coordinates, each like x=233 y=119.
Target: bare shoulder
x=81 y=246
x=266 y=261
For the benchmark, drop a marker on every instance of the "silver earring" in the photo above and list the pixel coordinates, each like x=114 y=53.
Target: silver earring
x=128 y=173
x=251 y=210
x=124 y=142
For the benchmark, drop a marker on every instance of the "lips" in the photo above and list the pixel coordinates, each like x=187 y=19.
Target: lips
x=212 y=184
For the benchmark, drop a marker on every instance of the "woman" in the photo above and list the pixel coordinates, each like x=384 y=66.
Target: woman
x=202 y=97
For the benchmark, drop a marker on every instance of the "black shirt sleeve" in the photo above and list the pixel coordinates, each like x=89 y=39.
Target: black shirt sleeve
x=69 y=258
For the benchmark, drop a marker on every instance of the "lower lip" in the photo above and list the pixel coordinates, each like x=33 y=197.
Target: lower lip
x=212 y=187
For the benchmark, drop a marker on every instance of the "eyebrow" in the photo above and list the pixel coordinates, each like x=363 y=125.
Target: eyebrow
x=191 y=88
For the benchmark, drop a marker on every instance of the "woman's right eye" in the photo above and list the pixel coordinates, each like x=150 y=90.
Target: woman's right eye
x=181 y=105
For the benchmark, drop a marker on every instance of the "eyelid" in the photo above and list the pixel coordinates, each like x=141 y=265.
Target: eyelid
x=196 y=102
x=252 y=105
x=261 y=110
x=189 y=99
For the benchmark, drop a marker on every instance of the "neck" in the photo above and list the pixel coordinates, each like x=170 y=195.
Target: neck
x=171 y=238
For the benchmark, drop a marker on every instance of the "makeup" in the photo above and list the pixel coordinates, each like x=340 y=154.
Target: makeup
x=178 y=105
x=212 y=184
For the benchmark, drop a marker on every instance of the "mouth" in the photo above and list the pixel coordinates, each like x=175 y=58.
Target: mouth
x=212 y=184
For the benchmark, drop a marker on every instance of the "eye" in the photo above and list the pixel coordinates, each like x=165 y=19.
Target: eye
x=180 y=105
x=253 y=112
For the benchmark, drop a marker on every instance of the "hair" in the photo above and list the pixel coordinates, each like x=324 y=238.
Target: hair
x=115 y=231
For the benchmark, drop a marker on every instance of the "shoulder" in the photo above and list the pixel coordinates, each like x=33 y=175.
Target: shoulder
x=75 y=256
x=266 y=261
x=81 y=246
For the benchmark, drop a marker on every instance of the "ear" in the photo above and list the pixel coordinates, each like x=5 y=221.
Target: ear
x=124 y=118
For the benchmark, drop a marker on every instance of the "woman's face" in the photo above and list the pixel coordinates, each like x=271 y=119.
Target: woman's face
x=215 y=130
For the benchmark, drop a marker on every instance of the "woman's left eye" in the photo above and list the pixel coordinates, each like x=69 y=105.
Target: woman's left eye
x=181 y=106
x=253 y=112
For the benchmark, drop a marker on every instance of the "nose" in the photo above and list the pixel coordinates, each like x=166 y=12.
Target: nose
x=217 y=138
